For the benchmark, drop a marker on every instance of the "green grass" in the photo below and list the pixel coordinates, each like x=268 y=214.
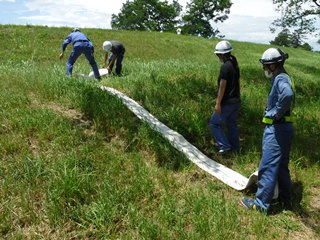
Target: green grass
x=76 y=164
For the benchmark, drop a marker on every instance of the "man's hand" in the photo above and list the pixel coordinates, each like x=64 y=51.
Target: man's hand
x=61 y=55
x=217 y=108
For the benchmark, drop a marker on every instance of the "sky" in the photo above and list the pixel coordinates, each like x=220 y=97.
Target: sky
x=249 y=20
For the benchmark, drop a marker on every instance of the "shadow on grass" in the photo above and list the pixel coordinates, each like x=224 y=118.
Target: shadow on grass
x=306 y=144
x=296 y=208
x=311 y=220
x=111 y=115
x=309 y=216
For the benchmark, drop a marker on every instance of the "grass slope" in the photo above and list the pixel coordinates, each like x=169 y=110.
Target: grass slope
x=76 y=164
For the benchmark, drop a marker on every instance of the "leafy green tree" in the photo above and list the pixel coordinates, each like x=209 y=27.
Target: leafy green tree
x=201 y=13
x=151 y=15
x=306 y=46
x=286 y=39
x=297 y=15
x=283 y=39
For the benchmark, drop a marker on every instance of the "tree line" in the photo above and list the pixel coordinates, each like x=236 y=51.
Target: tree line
x=297 y=21
x=156 y=15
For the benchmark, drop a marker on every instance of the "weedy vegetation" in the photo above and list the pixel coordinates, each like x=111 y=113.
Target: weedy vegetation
x=77 y=164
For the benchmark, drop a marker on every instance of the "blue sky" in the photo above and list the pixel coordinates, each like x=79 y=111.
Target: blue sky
x=249 y=20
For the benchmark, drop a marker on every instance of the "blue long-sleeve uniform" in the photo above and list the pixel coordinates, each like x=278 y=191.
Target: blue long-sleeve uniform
x=76 y=38
x=276 y=144
x=81 y=45
x=280 y=97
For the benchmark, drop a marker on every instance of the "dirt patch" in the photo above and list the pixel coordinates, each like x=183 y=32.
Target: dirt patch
x=75 y=116
x=78 y=118
x=312 y=218
x=309 y=219
x=315 y=199
x=34 y=146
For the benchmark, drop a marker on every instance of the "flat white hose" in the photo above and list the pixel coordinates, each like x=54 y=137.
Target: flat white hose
x=221 y=172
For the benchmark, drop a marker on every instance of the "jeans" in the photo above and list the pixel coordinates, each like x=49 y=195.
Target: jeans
x=118 y=62
x=274 y=165
x=229 y=114
x=88 y=52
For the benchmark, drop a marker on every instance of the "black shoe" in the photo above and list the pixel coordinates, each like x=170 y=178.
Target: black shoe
x=285 y=204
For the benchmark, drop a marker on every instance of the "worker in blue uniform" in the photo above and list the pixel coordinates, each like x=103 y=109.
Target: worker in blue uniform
x=81 y=45
x=277 y=137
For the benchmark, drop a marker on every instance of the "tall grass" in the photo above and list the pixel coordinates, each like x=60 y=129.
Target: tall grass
x=76 y=164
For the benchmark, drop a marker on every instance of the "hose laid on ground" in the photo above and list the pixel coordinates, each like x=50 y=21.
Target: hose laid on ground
x=221 y=172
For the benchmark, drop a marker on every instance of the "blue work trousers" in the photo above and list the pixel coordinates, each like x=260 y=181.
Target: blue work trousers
x=118 y=62
x=228 y=116
x=88 y=53
x=274 y=165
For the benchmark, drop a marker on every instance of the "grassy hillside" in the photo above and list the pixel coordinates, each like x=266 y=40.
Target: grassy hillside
x=76 y=164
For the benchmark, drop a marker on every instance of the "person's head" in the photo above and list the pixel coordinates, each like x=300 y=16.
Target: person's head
x=272 y=60
x=223 y=50
x=106 y=46
x=76 y=30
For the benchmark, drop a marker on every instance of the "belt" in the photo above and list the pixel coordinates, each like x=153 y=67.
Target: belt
x=270 y=121
x=80 y=41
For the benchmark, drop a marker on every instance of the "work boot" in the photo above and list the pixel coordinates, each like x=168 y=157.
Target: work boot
x=286 y=204
x=249 y=204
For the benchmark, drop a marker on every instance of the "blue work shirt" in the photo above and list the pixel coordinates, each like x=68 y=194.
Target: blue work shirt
x=76 y=38
x=280 y=96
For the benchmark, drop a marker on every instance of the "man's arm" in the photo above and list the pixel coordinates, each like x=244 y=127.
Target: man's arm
x=285 y=97
x=114 y=57
x=105 y=59
x=222 y=88
x=65 y=43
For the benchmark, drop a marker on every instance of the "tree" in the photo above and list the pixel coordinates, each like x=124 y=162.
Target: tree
x=151 y=15
x=306 y=46
x=286 y=39
x=283 y=39
x=201 y=12
x=297 y=15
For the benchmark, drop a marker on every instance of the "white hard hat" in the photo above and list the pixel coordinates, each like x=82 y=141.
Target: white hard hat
x=273 y=55
x=76 y=30
x=223 y=47
x=106 y=46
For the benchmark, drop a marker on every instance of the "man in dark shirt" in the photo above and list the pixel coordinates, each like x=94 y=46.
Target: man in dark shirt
x=81 y=45
x=228 y=100
x=232 y=90
x=117 y=51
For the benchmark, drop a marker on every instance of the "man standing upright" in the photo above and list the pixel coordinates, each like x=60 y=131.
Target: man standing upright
x=277 y=137
x=228 y=100
x=81 y=45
